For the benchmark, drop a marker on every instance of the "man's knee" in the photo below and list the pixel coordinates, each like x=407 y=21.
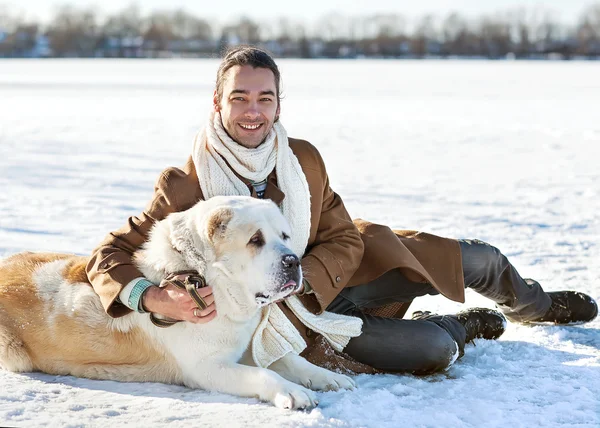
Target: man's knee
x=475 y=248
x=439 y=352
x=481 y=261
x=405 y=346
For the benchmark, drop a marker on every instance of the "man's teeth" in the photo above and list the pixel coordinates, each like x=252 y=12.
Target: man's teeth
x=250 y=126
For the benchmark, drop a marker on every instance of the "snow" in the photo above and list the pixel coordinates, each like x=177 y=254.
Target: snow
x=506 y=152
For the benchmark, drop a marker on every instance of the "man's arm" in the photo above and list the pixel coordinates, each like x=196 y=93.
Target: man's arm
x=111 y=267
x=334 y=256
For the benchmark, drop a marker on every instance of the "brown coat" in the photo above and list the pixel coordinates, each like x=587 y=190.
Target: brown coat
x=340 y=253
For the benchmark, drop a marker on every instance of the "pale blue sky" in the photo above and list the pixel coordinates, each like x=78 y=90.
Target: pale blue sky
x=567 y=11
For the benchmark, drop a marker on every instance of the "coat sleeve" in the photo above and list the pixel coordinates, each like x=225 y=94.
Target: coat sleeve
x=111 y=266
x=336 y=253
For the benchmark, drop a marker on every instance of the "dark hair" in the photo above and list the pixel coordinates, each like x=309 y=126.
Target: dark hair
x=247 y=55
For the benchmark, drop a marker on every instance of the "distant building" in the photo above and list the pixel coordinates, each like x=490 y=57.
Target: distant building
x=41 y=49
x=120 y=47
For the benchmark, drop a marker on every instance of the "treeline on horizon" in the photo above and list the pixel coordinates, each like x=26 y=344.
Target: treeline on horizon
x=514 y=33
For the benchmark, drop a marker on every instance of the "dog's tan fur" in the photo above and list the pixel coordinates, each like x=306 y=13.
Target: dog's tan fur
x=69 y=344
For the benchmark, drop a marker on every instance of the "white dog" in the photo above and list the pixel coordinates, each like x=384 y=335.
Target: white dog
x=51 y=320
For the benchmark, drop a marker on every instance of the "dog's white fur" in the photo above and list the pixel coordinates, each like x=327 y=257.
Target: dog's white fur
x=51 y=320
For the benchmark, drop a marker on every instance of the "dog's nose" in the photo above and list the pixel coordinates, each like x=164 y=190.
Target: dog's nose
x=290 y=261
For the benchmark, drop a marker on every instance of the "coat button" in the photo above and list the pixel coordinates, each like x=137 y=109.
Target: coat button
x=338 y=278
x=103 y=265
x=309 y=332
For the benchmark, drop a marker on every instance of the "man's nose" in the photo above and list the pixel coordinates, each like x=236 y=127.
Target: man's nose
x=252 y=111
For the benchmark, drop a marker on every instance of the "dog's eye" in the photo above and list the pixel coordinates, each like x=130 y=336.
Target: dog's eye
x=285 y=236
x=257 y=240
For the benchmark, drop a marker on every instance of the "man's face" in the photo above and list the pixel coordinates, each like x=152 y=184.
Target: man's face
x=248 y=105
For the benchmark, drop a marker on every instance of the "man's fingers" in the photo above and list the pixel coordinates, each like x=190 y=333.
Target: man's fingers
x=203 y=316
x=199 y=313
x=205 y=291
x=209 y=300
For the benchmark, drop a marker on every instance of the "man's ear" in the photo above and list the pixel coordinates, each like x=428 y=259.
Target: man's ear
x=216 y=105
x=217 y=223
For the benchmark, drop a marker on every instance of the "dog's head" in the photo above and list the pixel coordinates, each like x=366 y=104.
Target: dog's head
x=242 y=245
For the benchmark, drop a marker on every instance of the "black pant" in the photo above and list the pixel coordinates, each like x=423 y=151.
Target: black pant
x=432 y=344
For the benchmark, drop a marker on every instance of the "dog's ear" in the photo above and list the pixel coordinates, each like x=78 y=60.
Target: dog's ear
x=179 y=231
x=182 y=238
x=217 y=223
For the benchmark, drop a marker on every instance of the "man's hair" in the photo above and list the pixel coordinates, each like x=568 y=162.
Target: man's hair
x=247 y=55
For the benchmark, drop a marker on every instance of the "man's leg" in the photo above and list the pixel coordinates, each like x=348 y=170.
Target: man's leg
x=489 y=273
x=398 y=345
x=412 y=346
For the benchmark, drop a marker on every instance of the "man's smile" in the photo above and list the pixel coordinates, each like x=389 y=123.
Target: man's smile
x=250 y=127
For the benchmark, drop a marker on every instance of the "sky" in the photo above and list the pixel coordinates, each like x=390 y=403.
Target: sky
x=306 y=10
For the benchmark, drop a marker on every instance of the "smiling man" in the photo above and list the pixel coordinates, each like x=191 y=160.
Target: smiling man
x=248 y=102
x=350 y=267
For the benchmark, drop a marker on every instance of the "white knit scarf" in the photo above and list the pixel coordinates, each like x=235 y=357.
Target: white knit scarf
x=213 y=146
x=213 y=151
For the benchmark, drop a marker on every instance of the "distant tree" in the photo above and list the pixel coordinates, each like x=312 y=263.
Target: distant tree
x=522 y=31
x=160 y=31
x=8 y=21
x=244 y=31
x=588 y=31
x=287 y=38
x=248 y=31
x=287 y=30
x=126 y=23
x=73 y=32
x=455 y=36
x=518 y=20
x=495 y=37
x=21 y=41
x=548 y=31
x=333 y=26
x=388 y=33
x=8 y=24
x=187 y=26
x=425 y=33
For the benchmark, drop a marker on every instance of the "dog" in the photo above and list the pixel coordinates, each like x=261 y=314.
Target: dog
x=52 y=321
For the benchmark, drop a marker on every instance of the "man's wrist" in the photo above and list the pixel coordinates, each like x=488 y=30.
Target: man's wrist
x=135 y=297
x=149 y=296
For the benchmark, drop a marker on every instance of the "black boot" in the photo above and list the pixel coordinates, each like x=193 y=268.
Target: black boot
x=478 y=322
x=482 y=323
x=569 y=307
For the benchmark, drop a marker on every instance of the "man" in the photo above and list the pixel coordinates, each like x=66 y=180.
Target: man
x=353 y=268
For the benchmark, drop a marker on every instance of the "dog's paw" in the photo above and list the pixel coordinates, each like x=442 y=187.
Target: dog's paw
x=325 y=380
x=295 y=397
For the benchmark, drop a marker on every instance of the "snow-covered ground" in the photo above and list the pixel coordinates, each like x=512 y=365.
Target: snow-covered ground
x=507 y=152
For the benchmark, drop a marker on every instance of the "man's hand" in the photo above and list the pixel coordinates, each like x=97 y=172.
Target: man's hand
x=175 y=303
